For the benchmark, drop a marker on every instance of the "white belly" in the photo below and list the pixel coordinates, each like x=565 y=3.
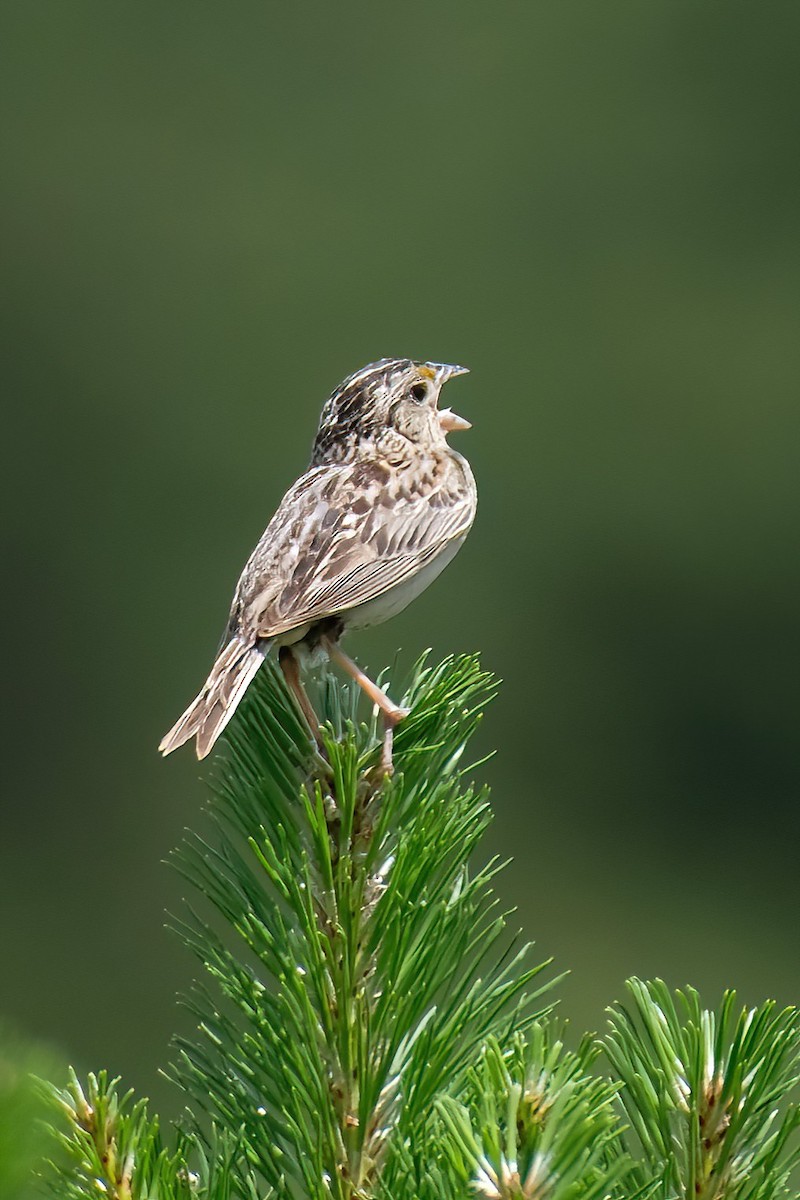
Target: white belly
x=382 y=608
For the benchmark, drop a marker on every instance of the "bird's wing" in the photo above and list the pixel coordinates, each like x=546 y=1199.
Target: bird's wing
x=347 y=534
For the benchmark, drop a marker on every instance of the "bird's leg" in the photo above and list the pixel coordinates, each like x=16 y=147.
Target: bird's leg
x=291 y=673
x=391 y=712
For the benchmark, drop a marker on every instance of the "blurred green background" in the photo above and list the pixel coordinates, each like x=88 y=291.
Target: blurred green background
x=212 y=213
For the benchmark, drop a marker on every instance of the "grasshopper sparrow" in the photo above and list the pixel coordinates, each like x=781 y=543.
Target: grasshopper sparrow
x=380 y=512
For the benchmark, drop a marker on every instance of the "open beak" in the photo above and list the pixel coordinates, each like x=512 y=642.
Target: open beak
x=449 y=421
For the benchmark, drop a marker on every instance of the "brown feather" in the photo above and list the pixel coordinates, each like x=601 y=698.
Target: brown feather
x=210 y=712
x=324 y=552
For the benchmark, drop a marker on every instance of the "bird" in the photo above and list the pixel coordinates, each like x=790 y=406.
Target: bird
x=382 y=508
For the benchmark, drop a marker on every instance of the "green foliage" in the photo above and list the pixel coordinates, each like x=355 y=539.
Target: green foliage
x=370 y=1029
x=532 y=1122
x=22 y=1133
x=114 y=1148
x=706 y=1093
x=374 y=963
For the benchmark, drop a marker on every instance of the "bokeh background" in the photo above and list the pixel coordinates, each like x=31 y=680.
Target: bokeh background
x=210 y=214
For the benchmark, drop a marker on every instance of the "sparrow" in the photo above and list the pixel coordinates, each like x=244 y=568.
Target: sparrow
x=383 y=507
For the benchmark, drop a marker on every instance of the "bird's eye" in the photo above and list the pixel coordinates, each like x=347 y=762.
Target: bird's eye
x=419 y=391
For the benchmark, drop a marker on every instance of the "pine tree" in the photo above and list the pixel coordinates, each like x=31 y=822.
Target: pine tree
x=369 y=1025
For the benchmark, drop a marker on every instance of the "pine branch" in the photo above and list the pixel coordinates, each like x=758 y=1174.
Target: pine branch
x=114 y=1146
x=533 y=1124
x=368 y=1027
x=378 y=964
x=707 y=1094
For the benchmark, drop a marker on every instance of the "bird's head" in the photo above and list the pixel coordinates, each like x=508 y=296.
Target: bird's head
x=395 y=396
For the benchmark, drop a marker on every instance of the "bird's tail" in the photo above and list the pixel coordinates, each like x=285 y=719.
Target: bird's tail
x=208 y=715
